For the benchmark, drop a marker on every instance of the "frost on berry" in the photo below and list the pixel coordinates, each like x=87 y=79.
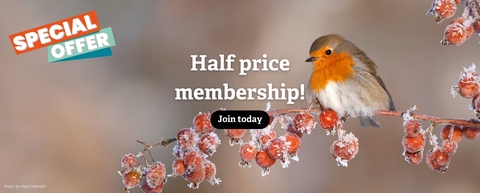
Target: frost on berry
x=247 y=153
x=412 y=127
x=467 y=23
x=328 y=119
x=304 y=122
x=132 y=178
x=456 y=32
x=294 y=142
x=128 y=161
x=413 y=144
x=276 y=148
x=413 y=158
x=263 y=136
x=187 y=139
x=178 y=168
x=156 y=174
x=194 y=161
x=264 y=161
x=450 y=146
x=209 y=143
x=291 y=129
x=467 y=85
x=147 y=189
x=210 y=172
x=471 y=132
x=452 y=132
x=195 y=178
x=442 y=9
x=345 y=149
x=202 y=124
x=235 y=135
x=438 y=159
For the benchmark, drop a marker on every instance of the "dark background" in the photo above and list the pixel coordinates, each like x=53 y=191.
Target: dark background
x=66 y=125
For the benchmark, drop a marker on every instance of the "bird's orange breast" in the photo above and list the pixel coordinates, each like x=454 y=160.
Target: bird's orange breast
x=336 y=67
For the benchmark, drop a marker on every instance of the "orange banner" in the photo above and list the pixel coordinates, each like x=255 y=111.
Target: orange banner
x=55 y=32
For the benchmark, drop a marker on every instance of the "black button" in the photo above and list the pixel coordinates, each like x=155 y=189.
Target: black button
x=240 y=119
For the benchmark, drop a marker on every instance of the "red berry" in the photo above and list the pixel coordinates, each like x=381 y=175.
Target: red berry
x=194 y=161
x=468 y=26
x=209 y=143
x=456 y=33
x=456 y=134
x=187 y=139
x=413 y=144
x=178 y=168
x=265 y=135
x=471 y=132
x=264 y=161
x=413 y=158
x=147 y=189
x=450 y=146
x=210 y=172
x=304 y=122
x=276 y=148
x=328 y=119
x=235 y=135
x=438 y=159
x=345 y=149
x=128 y=161
x=476 y=103
x=202 y=124
x=291 y=129
x=294 y=143
x=132 y=178
x=468 y=84
x=247 y=153
x=443 y=9
x=412 y=127
x=195 y=178
x=156 y=174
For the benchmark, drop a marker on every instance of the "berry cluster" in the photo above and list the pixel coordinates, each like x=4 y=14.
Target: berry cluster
x=150 y=178
x=461 y=28
x=438 y=158
x=265 y=146
x=193 y=147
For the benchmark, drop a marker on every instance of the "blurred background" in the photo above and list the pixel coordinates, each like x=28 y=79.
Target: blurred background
x=66 y=125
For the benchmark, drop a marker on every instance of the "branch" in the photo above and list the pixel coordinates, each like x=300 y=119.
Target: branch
x=423 y=117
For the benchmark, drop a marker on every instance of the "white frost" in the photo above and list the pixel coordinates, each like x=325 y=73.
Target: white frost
x=341 y=162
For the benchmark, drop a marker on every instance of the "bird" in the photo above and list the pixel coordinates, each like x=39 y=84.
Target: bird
x=345 y=80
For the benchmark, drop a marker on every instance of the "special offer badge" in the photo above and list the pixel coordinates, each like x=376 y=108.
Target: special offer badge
x=73 y=38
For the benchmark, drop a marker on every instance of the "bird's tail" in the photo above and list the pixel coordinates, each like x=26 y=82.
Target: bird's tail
x=369 y=121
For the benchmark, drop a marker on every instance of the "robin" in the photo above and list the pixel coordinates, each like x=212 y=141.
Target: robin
x=345 y=80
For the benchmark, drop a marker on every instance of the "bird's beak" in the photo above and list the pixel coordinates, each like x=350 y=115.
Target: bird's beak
x=311 y=59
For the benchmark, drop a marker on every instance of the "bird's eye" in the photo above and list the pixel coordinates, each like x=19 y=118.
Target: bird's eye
x=328 y=52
